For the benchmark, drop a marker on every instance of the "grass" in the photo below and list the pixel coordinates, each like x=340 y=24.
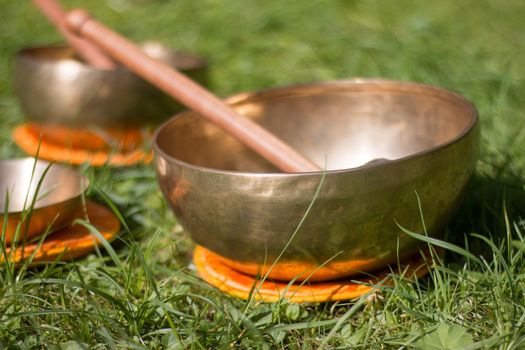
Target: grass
x=139 y=292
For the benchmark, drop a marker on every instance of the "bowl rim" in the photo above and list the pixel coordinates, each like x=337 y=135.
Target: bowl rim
x=84 y=182
x=244 y=96
x=25 y=53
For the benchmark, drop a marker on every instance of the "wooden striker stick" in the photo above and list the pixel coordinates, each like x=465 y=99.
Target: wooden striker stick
x=189 y=93
x=89 y=52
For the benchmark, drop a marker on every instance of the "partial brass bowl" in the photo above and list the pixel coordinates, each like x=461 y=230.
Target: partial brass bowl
x=56 y=199
x=54 y=87
x=386 y=145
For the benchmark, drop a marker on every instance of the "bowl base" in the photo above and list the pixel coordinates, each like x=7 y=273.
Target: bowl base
x=70 y=242
x=77 y=146
x=211 y=268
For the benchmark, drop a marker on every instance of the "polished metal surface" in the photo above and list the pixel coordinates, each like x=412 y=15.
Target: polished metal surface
x=53 y=86
x=55 y=199
x=384 y=144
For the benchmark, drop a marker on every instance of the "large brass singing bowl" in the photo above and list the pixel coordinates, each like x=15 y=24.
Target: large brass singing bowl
x=56 y=199
x=237 y=205
x=56 y=88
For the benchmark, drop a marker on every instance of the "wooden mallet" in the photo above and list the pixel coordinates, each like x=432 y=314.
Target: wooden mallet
x=189 y=93
x=89 y=52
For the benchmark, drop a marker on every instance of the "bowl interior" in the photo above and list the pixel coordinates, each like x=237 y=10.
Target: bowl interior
x=342 y=125
x=19 y=184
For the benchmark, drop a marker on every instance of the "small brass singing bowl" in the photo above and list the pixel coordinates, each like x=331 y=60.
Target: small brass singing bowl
x=389 y=148
x=55 y=87
x=37 y=197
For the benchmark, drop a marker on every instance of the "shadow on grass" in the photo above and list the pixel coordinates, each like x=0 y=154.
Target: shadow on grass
x=491 y=207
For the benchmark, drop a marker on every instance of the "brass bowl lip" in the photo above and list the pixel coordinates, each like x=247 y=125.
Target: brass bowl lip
x=26 y=54
x=428 y=90
x=84 y=181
